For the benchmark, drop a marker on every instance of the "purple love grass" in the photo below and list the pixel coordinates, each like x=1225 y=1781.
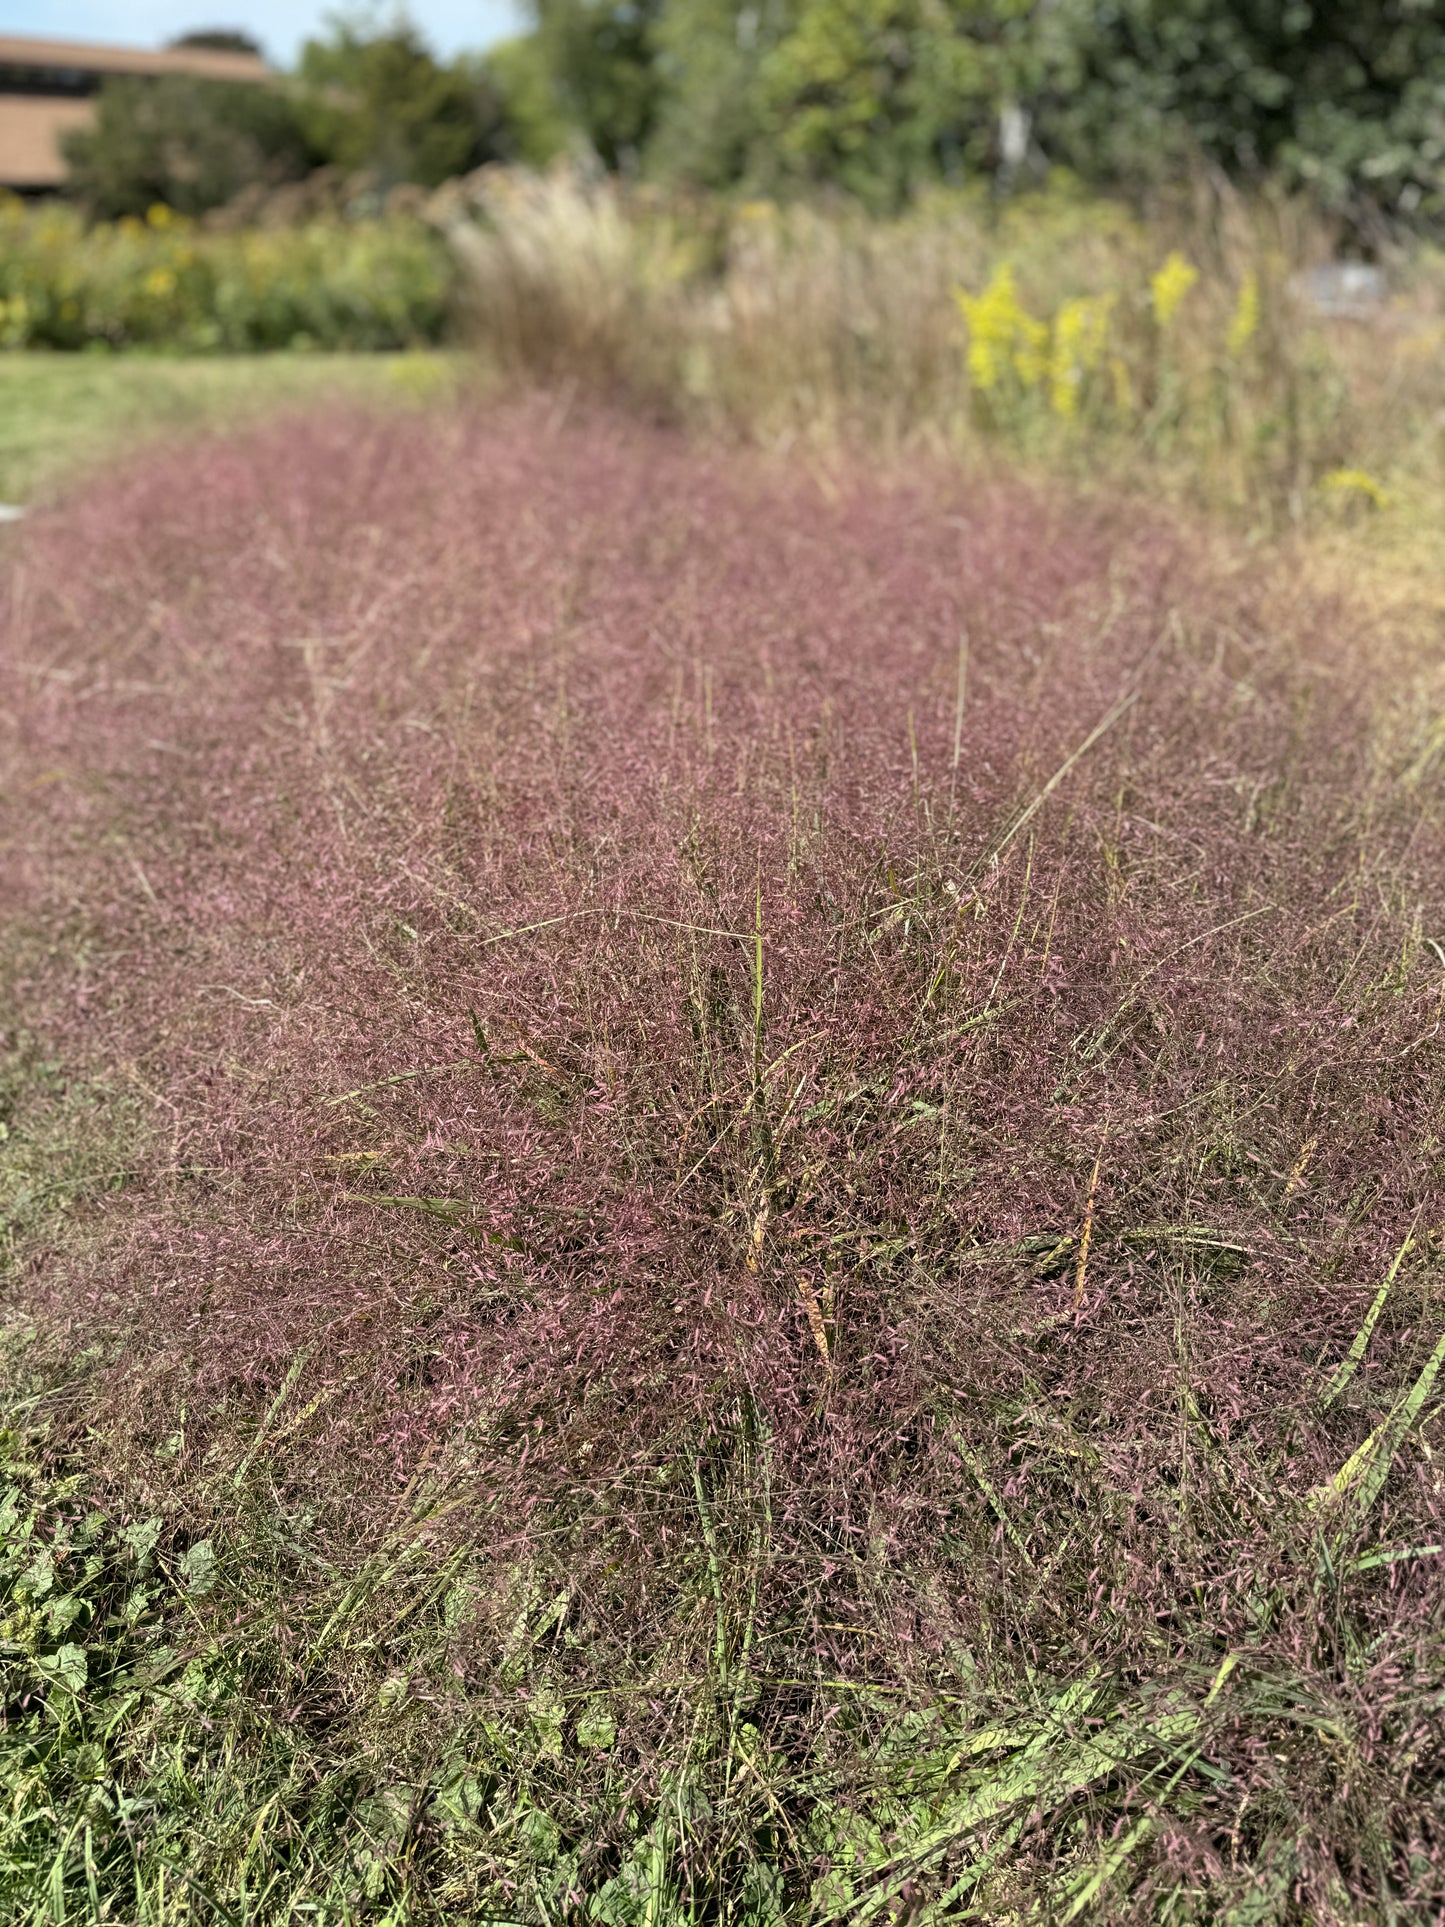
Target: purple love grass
x=402 y=809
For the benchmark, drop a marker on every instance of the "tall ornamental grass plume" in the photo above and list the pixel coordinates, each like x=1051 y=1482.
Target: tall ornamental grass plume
x=771 y=1245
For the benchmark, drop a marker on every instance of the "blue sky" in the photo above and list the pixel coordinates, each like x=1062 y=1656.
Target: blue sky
x=280 y=25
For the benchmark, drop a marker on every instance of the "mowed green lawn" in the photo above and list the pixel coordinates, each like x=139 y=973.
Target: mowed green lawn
x=60 y=414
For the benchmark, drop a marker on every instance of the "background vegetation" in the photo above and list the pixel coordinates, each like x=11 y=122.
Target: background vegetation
x=879 y=98
x=1193 y=350
x=369 y=103
x=1205 y=349
x=367 y=284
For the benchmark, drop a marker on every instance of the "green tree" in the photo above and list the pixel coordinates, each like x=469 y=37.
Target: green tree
x=712 y=126
x=881 y=95
x=602 y=57
x=1342 y=98
x=537 y=130
x=189 y=144
x=221 y=40
x=382 y=101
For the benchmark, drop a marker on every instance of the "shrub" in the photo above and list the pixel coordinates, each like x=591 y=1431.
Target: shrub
x=188 y=144
x=162 y=283
x=1343 y=102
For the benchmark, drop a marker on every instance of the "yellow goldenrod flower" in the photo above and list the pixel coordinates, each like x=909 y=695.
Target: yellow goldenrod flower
x=1031 y=349
x=159 y=215
x=1169 y=285
x=1002 y=334
x=1356 y=482
x=1245 y=323
x=160 y=282
x=988 y=332
x=1081 y=330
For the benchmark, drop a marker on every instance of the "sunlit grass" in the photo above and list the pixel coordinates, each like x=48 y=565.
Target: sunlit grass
x=62 y=414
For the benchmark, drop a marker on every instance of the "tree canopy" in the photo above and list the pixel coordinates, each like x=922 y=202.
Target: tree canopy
x=1343 y=99
x=362 y=100
x=382 y=101
x=221 y=40
x=184 y=143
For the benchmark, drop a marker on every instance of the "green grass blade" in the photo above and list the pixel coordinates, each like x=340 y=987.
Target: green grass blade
x=297 y=1366
x=996 y=1504
x=1350 y=1362
x=1109 y=1865
x=1361 y=1478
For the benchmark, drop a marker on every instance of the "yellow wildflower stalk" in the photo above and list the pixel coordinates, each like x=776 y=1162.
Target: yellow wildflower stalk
x=1002 y=334
x=1081 y=330
x=1170 y=285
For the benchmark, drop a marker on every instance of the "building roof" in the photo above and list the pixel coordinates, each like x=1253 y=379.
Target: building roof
x=204 y=63
x=31 y=128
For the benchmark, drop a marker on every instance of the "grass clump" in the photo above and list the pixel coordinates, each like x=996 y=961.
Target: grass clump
x=785 y=1260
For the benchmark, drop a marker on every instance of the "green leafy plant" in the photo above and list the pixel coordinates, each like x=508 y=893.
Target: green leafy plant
x=161 y=282
x=184 y=143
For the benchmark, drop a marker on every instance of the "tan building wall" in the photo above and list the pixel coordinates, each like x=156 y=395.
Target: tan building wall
x=31 y=128
x=46 y=89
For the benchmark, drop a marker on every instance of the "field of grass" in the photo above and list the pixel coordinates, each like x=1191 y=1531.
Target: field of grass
x=723 y=1196
x=61 y=414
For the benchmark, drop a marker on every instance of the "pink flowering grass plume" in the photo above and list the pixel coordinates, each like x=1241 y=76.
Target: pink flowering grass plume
x=798 y=1083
